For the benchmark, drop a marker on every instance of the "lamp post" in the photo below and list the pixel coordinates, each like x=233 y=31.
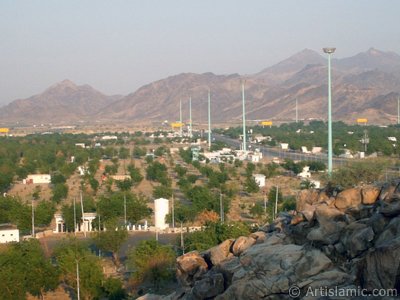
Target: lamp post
x=329 y=51
x=209 y=120
x=244 y=119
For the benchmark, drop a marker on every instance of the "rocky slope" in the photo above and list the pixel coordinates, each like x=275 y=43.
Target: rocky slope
x=347 y=242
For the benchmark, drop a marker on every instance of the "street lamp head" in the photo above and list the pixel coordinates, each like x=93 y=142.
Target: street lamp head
x=329 y=50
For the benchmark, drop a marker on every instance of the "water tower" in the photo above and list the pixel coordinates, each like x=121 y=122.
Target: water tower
x=161 y=209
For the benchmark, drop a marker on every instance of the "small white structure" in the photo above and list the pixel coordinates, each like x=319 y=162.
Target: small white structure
x=87 y=220
x=161 y=209
x=304 y=149
x=260 y=179
x=316 y=150
x=109 y=137
x=60 y=224
x=37 y=179
x=305 y=173
x=82 y=145
x=316 y=184
x=8 y=233
x=284 y=146
x=84 y=225
x=392 y=138
x=120 y=177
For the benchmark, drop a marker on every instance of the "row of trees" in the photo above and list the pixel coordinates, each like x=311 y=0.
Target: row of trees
x=315 y=135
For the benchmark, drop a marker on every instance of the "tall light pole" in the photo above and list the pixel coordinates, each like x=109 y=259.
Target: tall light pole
x=180 y=115
x=398 y=110
x=77 y=281
x=221 y=208
x=329 y=51
x=244 y=119
x=209 y=120
x=190 y=118
x=33 y=220
x=125 y=209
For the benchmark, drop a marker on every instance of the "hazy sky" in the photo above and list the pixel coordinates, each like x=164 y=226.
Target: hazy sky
x=116 y=46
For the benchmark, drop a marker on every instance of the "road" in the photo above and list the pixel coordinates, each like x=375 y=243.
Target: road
x=282 y=154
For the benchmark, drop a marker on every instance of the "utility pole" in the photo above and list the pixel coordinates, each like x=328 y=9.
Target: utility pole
x=33 y=220
x=190 y=118
x=276 y=201
x=125 y=209
x=221 y=208
x=265 y=203
x=180 y=116
x=209 y=120
x=398 y=110
x=182 y=241
x=77 y=280
x=297 y=116
x=173 y=213
x=83 y=218
x=74 y=217
x=244 y=119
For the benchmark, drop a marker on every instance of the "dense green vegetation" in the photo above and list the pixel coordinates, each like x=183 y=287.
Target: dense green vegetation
x=315 y=135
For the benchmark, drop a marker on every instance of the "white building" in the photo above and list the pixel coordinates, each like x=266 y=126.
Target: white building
x=85 y=225
x=260 y=179
x=8 y=233
x=316 y=150
x=109 y=137
x=304 y=149
x=120 y=177
x=37 y=179
x=284 y=146
x=161 y=209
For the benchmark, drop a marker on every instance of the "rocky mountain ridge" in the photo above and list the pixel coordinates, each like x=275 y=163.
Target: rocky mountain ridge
x=345 y=242
x=364 y=85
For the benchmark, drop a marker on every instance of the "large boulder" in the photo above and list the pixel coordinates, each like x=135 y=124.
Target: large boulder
x=308 y=212
x=208 y=287
x=190 y=267
x=331 y=222
x=220 y=252
x=306 y=197
x=370 y=194
x=357 y=238
x=241 y=244
x=381 y=269
x=350 y=198
x=259 y=236
x=391 y=231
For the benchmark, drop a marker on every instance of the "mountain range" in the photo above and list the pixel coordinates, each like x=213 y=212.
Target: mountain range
x=366 y=85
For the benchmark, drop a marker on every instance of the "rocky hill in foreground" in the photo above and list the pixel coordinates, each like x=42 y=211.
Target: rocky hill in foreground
x=336 y=243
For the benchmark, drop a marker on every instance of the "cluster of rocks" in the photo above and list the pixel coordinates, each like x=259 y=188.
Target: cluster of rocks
x=333 y=247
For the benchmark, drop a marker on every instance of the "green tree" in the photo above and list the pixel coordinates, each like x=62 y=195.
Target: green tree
x=71 y=254
x=136 y=176
x=111 y=208
x=162 y=191
x=24 y=269
x=152 y=262
x=60 y=191
x=111 y=241
x=251 y=185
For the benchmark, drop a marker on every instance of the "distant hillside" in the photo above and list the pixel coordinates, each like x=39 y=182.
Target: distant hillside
x=62 y=102
x=361 y=84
